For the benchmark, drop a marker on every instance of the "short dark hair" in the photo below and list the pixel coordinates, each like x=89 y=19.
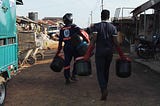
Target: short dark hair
x=105 y=14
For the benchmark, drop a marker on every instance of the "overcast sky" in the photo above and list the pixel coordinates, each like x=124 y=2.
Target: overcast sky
x=81 y=9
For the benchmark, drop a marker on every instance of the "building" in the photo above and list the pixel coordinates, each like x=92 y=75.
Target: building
x=147 y=23
x=125 y=25
x=33 y=16
x=58 y=21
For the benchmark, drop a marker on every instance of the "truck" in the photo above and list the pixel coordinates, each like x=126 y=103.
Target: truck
x=8 y=44
x=53 y=32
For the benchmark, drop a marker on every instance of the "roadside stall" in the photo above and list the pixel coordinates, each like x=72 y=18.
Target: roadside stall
x=29 y=51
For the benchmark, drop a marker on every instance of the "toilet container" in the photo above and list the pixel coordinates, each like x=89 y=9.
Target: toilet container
x=57 y=64
x=123 y=68
x=83 y=68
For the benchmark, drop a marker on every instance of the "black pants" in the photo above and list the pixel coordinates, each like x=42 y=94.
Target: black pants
x=102 y=66
x=69 y=53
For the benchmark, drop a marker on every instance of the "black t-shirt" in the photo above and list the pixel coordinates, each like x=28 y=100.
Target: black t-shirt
x=104 y=42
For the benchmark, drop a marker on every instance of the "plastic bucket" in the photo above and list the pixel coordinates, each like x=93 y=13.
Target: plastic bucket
x=57 y=64
x=83 y=68
x=76 y=39
x=123 y=68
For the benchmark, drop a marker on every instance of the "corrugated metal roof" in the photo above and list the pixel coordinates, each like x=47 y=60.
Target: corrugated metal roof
x=145 y=6
x=22 y=18
x=19 y=2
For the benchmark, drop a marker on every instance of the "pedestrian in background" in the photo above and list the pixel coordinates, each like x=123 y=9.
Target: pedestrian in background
x=66 y=33
x=104 y=36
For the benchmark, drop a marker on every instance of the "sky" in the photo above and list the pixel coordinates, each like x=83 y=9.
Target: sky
x=81 y=9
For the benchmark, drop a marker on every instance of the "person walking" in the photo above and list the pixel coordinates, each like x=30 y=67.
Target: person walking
x=104 y=36
x=66 y=33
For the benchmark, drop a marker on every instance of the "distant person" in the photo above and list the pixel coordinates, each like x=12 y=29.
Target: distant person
x=104 y=36
x=66 y=33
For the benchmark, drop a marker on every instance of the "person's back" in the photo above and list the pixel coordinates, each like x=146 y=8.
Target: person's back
x=103 y=38
x=104 y=41
x=66 y=34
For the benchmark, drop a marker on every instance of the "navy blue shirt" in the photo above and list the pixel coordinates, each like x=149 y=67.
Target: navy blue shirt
x=104 y=42
x=66 y=33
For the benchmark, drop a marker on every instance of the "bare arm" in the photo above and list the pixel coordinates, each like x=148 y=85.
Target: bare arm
x=117 y=47
x=115 y=41
x=93 y=38
x=91 y=46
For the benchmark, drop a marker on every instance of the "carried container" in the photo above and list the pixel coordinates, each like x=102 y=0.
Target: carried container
x=80 y=45
x=57 y=64
x=123 y=68
x=76 y=39
x=82 y=67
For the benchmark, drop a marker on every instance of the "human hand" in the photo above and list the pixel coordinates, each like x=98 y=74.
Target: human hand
x=125 y=58
x=86 y=57
x=57 y=54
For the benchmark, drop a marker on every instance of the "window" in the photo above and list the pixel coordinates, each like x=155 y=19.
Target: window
x=2 y=42
x=11 y=40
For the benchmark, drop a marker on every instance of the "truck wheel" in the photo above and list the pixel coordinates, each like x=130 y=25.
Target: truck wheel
x=31 y=60
x=39 y=56
x=2 y=93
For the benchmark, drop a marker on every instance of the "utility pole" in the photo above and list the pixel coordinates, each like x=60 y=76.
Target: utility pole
x=91 y=16
x=88 y=21
x=102 y=4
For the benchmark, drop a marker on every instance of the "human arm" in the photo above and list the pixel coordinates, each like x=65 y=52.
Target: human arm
x=119 y=49
x=85 y=36
x=91 y=46
x=116 y=43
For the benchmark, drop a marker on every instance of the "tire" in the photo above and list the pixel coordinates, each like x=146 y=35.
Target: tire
x=31 y=60
x=2 y=93
x=39 y=56
x=143 y=52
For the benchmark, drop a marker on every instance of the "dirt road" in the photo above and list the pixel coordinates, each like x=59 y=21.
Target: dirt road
x=39 y=86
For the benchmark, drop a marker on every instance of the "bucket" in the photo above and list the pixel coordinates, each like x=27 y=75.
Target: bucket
x=57 y=64
x=76 y=39
x=83 y=68
x=123 y=68
x=82 y=48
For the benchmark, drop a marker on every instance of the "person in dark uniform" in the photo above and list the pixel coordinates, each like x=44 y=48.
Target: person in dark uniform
x=104 y=35
x=66 y=33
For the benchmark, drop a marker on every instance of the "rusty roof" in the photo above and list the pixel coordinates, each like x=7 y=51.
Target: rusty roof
x=151 y=4
x=19 y=2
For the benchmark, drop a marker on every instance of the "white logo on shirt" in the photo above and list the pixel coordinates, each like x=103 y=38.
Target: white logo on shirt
x=66 y=33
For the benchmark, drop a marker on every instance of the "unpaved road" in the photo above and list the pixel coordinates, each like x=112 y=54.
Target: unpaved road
x=38 y=85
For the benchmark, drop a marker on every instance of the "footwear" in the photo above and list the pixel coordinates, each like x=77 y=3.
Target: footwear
x=104 y=95
x=73 y=78
x=67 y=82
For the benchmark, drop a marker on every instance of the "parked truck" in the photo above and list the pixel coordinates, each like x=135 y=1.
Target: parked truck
x=8 y=44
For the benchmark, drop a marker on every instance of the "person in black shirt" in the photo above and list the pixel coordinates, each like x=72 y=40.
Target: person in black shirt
x=104 y=36
x=66 y=33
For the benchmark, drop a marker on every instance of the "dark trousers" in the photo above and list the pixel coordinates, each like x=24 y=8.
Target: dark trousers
x=102 y=67
x=69 y=53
